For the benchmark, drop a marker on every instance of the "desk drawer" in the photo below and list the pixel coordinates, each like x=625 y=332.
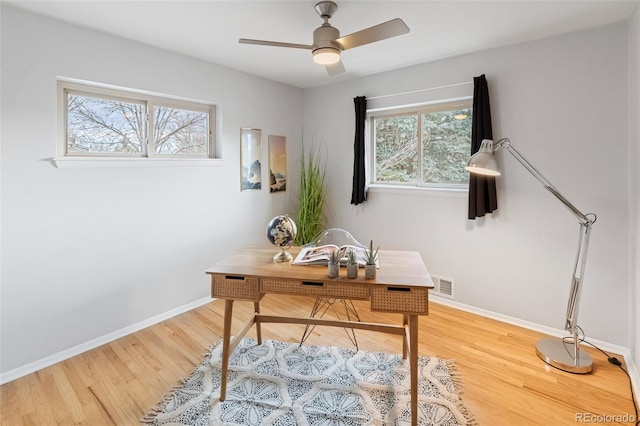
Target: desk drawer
x=235 y=287
x=400 y=299
x=316 y=288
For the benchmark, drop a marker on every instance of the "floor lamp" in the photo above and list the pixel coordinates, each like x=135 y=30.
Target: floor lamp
x=564 y=354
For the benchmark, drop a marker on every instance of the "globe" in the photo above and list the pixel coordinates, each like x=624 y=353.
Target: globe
x=281 y=232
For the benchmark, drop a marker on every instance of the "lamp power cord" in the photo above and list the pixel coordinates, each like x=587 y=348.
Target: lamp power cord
x=615 y=361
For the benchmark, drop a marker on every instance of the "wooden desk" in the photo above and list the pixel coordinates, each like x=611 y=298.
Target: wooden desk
x=401 y=286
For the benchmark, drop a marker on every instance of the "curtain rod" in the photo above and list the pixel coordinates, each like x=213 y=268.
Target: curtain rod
x=420 y=90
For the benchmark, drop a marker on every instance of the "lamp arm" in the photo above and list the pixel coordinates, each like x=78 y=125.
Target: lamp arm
x=553 y=352
x=571 y=323
x=506 y=144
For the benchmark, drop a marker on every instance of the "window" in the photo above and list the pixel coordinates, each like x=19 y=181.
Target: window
x=424 y=146
x=114 y=123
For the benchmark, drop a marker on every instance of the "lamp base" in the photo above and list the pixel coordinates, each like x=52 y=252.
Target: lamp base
x=559 y=354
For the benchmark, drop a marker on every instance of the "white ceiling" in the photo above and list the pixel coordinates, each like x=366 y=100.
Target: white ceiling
x=210 y=30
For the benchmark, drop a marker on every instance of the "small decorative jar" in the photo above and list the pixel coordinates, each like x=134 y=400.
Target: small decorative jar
x=352 y=265
x=334 y=263
x=370 y=272
x=334 y=270
x=352 y=271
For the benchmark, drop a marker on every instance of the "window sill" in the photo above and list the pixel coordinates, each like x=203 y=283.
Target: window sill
x=98 y=162
x=401 y=189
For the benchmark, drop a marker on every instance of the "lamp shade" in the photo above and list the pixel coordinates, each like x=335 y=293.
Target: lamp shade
x=326 y=55
x=484 y=162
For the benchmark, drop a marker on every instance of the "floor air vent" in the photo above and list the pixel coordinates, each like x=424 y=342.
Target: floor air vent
x=443 y=286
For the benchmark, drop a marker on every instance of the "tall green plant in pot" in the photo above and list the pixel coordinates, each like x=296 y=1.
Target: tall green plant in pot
x=309 y=216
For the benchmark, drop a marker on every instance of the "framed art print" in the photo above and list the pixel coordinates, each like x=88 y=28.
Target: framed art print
x=277 y=163
x=251 y=159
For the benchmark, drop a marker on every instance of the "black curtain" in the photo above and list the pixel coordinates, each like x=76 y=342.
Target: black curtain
x=358 y=193
x=482 y=189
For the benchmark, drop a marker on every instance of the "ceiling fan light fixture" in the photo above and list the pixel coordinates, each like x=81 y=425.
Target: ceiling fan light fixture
x=328 y=45
x=326 y=55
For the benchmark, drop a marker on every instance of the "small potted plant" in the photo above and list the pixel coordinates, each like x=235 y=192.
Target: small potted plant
x=334 y=263
x=371 y=262
x=352 y=265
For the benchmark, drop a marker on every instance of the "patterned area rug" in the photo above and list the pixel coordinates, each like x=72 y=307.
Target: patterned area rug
x=285 y=384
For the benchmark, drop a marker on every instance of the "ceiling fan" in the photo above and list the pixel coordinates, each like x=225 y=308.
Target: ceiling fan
x=327 y=43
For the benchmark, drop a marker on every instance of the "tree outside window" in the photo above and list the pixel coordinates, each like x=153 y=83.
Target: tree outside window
x=424 y=147
x=119 y=124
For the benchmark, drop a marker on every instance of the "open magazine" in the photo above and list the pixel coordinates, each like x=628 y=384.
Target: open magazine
x=319 y=255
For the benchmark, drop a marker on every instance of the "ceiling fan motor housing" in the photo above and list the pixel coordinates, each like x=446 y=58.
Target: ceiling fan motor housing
x=325 y=36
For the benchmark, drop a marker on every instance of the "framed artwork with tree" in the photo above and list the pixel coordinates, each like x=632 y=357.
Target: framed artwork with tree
x=250 y=159
x=277 y=163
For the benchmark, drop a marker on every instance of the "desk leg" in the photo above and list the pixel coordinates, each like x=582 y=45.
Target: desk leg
x=405 y=344
x=413 y=362
x=256 y=308
x=226 y=337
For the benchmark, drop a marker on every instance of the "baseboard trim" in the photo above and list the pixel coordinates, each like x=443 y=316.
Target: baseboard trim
x=632 y=368
x=48 y=361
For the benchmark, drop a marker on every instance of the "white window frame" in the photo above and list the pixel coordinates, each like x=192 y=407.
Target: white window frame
x=418 y=110
x=147 y=158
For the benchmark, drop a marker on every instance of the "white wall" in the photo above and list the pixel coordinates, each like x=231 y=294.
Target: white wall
x=86 y=252
x=634 y=179
x=563 y=103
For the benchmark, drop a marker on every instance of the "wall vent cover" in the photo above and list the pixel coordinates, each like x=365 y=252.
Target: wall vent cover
x=444 y=286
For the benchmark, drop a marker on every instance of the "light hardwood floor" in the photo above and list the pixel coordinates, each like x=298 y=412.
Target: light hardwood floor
x=504 y=381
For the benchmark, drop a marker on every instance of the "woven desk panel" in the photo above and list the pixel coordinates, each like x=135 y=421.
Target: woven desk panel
x=415 y=300
x=330 y=289
x=247 y=288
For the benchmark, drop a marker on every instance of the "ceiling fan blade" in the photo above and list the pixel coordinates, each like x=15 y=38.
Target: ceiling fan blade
x=335 y=69
x=274 y=43
x=392 y=28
